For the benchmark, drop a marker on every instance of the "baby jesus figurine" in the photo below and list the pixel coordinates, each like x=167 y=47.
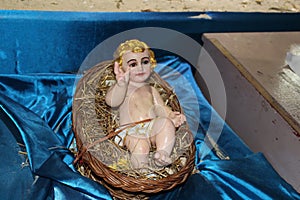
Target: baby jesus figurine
x=141 y=104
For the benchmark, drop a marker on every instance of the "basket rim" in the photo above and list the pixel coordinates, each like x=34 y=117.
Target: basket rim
x=119 y=180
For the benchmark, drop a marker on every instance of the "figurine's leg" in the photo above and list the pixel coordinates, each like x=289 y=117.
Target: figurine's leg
x=139 y=149
x=163 y=137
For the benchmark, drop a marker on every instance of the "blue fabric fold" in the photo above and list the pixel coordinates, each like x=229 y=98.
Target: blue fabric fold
x=36 y=134
x=251 y=177
x=47 y=158
x=47 y=95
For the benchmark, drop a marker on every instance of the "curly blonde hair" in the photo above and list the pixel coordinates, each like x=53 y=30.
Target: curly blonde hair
x=135 y=46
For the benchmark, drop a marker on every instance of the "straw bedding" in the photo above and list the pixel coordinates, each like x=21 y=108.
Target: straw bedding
x=99 y=158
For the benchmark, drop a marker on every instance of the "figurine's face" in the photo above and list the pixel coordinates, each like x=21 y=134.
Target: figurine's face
x=139 y=65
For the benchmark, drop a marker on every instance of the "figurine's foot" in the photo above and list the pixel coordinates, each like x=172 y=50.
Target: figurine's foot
x=143 y=171
x=162 y=158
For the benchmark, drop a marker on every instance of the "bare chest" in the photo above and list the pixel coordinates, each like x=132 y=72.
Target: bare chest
x=140 y=98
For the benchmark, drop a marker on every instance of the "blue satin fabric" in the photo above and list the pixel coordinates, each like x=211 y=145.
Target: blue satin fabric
x=35 y=117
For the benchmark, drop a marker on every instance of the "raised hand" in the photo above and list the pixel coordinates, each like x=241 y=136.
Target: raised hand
x=121 y=76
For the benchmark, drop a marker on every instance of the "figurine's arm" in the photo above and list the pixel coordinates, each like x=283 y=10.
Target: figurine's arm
x=161 y=110
x=116 y=93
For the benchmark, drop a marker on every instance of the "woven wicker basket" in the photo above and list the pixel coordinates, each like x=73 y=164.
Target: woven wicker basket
x=99 y=158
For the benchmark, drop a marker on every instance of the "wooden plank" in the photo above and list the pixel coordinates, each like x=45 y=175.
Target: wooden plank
x=263 y=95
x=260 y=58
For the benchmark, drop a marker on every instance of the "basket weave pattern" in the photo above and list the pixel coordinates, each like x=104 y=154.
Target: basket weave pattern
x=94 y=124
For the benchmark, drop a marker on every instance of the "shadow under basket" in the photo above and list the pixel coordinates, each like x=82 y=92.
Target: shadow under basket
x=99 y=157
